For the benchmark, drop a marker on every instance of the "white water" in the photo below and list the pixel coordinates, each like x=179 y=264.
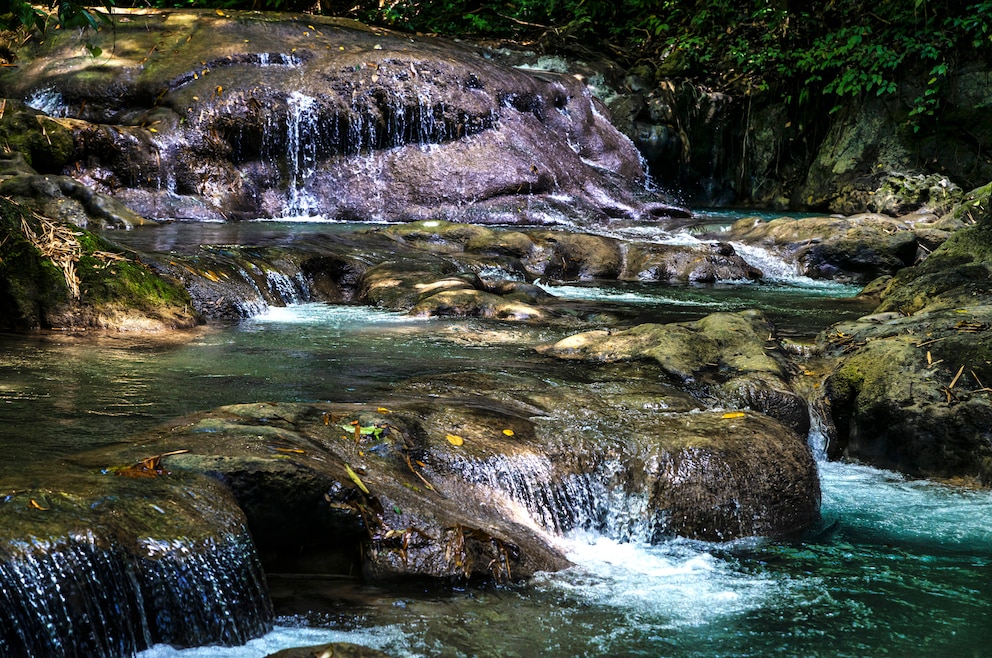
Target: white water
x=324 y=315
x=284 y=637
x=301 y=148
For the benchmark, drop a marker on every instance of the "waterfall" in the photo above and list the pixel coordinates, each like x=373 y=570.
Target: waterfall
x=301 y=150
x=589 y=501
x=78 y=597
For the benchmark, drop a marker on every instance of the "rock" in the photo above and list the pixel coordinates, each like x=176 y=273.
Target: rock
x=98 y=564
x=55 y=275
x=315 y=497
x=478 y=304
x=730 y=357
x=65 y=199
x=703 y=263
x=252 y=114
x=622 y=457
x=330 y=650
x=909 y=389
x=43 y=143
x=857 y=248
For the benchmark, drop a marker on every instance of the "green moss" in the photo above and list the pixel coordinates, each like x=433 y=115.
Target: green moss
x=127 y=282
x=34 y=293
x=29 y=282
x=45 y=144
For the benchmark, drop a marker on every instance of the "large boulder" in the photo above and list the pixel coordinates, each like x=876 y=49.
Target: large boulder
x=858 y=248
x=245 y=114
x=910 y=391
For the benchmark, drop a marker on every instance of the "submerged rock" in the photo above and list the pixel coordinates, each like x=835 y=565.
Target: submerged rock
x=331 y=650
x=245 y=114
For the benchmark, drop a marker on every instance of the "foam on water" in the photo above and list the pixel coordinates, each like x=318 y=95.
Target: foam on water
x=285 y=637
x=887 y=503
x=318 y=313
x=607 y=294
x=670 y=585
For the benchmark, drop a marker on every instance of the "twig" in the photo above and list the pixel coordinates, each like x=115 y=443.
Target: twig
x=956 y=377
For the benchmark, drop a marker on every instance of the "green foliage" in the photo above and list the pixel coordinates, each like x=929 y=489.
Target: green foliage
x=813 y=53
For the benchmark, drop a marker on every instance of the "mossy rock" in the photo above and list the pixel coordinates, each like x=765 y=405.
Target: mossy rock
x=97 y=284
x=958 y=273
x=45 y=144
x=912 y=398
x=732 y=357
x=857 y=248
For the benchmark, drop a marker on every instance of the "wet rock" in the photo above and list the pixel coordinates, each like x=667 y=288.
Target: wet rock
x=251 y=114
x=732 y=358
x=909 y=391
x=561 y=255
x=43 y=143
x=702 y=263
x=857 y=248
x=98 y=564
x=330 y=650
x=310 y=487
x=621 y=456
x=65 y=199
x=476 y=303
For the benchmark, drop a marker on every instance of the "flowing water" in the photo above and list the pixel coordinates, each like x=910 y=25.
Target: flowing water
x=896 y=567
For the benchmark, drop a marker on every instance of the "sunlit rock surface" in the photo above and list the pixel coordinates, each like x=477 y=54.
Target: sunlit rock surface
x=854 y=249
x=208 y=115
x=732 y=359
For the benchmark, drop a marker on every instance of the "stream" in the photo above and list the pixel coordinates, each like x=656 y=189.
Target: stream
x=895 y=567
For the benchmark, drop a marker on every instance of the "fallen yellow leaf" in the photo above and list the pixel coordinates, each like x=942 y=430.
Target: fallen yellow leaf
x=383 y=410
x=455 y=440
x=508 y=432
x=357 y=480
x=734 y=414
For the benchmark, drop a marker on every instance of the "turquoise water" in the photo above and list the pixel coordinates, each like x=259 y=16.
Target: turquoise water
x=896 y=568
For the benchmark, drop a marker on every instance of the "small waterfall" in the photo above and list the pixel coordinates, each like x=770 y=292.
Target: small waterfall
x=49 y=101
x=301 y=149
x=590 y=501
x=234 y=283
x=79 y=597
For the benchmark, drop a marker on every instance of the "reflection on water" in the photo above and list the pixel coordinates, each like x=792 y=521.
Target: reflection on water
x=61 y=393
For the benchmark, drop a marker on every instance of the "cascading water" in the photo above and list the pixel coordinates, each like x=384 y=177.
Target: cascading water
x=79 y=597
x=896 y=567
x=302 y=136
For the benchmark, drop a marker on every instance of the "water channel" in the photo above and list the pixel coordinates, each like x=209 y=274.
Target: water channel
x=895 y=567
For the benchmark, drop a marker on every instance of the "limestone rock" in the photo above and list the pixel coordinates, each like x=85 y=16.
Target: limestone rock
x=248 y=114
x=857 y=248
x=910 y=390
x=730 y=357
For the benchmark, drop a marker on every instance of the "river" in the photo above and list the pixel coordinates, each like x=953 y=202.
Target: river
x=896 y=567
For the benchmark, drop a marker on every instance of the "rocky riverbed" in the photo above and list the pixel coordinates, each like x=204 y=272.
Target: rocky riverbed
x=646 y=430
